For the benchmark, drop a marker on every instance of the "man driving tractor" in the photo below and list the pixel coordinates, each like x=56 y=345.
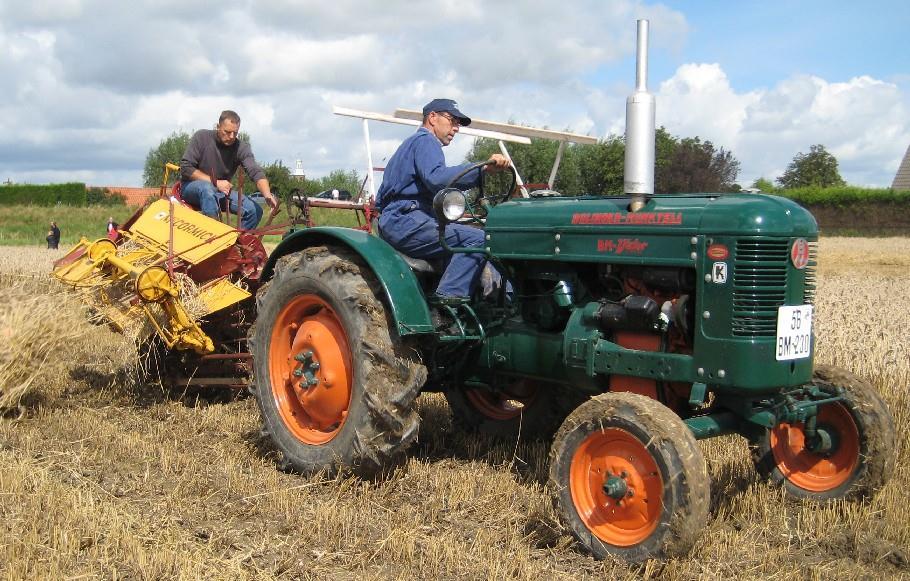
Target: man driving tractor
x=416 y=171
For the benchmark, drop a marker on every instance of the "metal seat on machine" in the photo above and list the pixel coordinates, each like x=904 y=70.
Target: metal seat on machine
x=419 y=265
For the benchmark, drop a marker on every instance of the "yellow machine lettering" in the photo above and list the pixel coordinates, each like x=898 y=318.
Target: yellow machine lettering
x=196 y=236
x=130 y=285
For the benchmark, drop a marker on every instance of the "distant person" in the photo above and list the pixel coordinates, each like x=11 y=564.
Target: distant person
x=334 y=194
x=209 y=163
x=112 y=226
x=53 y=237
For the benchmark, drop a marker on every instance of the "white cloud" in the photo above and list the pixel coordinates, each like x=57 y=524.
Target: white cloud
x=343 y=63
x=698 y=100
x=39 y=12
x=89 y=86
x=863 y=122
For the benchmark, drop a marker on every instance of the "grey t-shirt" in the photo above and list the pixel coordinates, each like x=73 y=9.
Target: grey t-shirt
x=209 y=155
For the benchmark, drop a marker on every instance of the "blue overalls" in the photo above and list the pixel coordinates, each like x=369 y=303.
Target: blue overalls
x=416 y=171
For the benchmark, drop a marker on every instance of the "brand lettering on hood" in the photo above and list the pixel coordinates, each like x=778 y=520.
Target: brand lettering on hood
x=628 y=218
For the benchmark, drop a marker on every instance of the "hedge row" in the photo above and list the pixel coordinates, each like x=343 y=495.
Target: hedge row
x=816 y=196
x=70 y=194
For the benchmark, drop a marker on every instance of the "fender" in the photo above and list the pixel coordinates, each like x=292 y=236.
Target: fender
x=402 y=292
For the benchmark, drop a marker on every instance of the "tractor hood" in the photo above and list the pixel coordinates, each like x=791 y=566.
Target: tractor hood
x=515 y=228
x=737 y=214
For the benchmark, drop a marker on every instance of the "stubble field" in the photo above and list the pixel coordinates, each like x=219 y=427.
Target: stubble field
x=103 y=478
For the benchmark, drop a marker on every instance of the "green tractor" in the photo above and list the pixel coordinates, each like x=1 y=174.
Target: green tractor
x=634 y=326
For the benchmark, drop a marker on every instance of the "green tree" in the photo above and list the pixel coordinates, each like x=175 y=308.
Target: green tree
x=664 y=146
x=600 y=167
x=534 y=163
x=816 y=168
x=681 y=165
x=338 y=179
x=170 y=150
x=696 y=166
x=279 y=176
x=764 y=185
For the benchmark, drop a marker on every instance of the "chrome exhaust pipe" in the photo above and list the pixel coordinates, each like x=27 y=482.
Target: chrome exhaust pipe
x=638 y=173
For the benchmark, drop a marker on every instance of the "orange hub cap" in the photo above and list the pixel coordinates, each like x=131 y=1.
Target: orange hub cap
x=818 y=471
x=616 y=487
x=310 y=369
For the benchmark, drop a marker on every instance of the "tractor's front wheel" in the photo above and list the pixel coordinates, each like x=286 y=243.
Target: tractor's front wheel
x=853 y=456
x=335 y=386
x=629 y=479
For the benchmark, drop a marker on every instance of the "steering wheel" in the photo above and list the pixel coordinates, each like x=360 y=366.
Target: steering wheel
x=492 y=200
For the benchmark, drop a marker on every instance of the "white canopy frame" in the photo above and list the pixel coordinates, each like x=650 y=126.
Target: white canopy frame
x=501 y=132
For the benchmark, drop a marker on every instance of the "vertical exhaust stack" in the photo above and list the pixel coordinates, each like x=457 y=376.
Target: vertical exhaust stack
x=638 y=173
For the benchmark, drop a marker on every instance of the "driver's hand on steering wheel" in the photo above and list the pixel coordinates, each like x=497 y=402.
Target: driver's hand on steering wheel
x=500 y=162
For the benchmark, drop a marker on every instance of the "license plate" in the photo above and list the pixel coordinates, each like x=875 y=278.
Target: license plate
x=794 y=332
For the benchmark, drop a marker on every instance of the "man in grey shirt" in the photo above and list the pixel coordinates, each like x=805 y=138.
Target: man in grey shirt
x=208 y=165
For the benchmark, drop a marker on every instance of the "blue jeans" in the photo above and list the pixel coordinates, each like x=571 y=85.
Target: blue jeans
x=205 y=196
x=416 y=233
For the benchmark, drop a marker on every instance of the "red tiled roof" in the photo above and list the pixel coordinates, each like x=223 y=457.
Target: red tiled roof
x=133 y=196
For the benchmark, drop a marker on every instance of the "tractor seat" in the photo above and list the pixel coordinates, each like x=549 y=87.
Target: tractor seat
x=420 y=265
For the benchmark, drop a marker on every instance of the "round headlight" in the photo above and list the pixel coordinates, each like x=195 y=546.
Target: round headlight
x=453 y=205
x=449 y=204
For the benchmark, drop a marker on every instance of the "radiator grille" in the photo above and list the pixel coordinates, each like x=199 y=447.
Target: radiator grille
x=811 y=280
x=759 y=285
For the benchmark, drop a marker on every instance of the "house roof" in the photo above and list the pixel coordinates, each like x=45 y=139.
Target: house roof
x=902 y=178
x=132 y=196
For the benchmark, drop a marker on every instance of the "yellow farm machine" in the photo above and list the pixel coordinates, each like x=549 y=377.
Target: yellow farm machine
x=163 y=273
x=175 y=274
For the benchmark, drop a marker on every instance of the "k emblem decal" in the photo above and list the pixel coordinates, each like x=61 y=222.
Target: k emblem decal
x=719 y=272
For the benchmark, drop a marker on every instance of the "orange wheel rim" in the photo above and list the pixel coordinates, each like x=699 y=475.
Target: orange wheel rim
x=310 y=369
x=501 y=406
x=616 y=487
x=818 y=471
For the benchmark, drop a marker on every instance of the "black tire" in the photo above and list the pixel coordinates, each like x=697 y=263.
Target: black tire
x=531 y=409
x=330 y=291
x=863 y=454
x=636 y=443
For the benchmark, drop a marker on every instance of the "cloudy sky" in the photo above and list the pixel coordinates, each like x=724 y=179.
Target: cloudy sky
x=87 y=87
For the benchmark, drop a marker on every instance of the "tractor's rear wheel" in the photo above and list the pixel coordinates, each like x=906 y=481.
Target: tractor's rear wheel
x=629 y=479
x=335 y=386
x=858 y=458
x=526 y=407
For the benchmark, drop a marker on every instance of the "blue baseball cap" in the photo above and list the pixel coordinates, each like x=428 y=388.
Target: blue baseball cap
x=446 y=106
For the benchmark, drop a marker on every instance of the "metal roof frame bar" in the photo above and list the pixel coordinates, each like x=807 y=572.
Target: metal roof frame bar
x=501 y=132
